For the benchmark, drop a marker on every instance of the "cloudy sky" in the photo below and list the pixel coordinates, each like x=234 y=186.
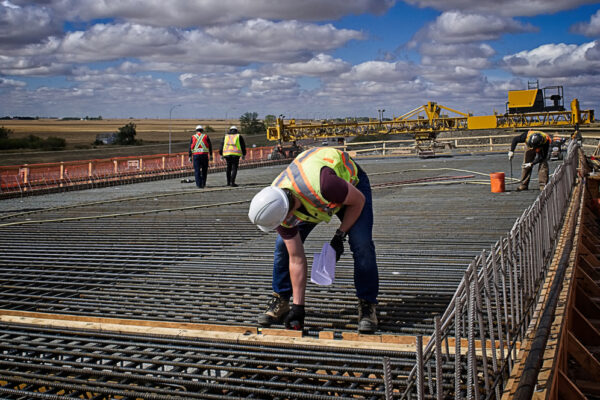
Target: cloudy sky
x=300 y=58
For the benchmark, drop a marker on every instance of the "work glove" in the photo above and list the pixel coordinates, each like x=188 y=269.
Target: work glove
x=337 y=243
x=295 y=318
x=527 y=165
x=510 y=155
x=190 y=158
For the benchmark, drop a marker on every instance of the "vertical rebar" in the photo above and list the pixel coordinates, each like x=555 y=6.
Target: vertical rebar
x=457 y=349
x=420 y=371
x=438 y=358
x=387 y=378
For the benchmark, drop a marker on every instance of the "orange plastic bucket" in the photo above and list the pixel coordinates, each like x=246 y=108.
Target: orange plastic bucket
x=497 y=181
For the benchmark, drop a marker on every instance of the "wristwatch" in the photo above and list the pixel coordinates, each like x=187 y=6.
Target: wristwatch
x=341 y=234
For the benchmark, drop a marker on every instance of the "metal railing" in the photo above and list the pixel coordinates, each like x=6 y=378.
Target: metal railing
x=494 y=303
x=31 y=179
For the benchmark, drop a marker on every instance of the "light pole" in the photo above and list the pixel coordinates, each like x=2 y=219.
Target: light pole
x=171 y=111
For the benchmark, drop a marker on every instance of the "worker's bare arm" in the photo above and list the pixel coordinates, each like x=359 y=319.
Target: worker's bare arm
x=298 y=267
x=354 y=203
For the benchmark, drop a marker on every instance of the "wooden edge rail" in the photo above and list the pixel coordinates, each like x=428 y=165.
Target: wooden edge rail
x=233 y=333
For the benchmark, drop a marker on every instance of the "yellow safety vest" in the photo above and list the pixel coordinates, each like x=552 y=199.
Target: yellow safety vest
x=303 y=178
x=231 y=145
x=200 y=146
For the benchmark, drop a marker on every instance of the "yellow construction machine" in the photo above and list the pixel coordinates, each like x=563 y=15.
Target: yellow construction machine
x=525 y=109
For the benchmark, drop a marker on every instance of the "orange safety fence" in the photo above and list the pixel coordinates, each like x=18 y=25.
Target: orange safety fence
x=69 y=175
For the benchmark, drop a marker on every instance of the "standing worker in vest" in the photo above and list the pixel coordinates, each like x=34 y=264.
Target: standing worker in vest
x=232 y=148
x=201 y=151
x=319 y=183
x=537 y=149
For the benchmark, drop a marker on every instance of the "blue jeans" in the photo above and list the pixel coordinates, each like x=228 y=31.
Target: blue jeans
x=360 y=237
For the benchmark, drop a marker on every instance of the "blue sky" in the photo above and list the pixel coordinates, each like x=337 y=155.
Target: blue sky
x=309 y=58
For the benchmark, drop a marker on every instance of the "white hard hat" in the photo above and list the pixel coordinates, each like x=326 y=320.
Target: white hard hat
x=269 y=208
x=199 y=128
x=233 y=128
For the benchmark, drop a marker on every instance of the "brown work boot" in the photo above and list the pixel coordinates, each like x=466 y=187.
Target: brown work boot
x=521 y=188
x=542 y=187
x=277 y=309
x=367 y=317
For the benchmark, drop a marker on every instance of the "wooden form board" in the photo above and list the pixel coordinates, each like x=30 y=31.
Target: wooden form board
x=222 y=332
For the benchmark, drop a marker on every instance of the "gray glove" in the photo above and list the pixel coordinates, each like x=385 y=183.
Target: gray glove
x=527 y=165
x=510 y=155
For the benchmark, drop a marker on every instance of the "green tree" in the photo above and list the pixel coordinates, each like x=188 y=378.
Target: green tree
x=251 y=125
x=270 y=120
x=4 y=132
x=126 y=134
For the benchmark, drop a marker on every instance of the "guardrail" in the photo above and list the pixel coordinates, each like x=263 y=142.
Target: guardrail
x=453 y=145
x=494 y=303
x=19 y=180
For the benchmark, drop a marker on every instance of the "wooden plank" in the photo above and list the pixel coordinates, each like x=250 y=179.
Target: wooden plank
x=583 y=329
x=282 y=332
x=326 y=335
x=567 y=390
x=132 y=322
x=358 y=337
x=581 y=354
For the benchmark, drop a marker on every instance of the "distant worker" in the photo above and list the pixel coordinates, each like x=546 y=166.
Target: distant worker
x=200 y=153
x=319 y=183
x=537 y=149
x=232 y=148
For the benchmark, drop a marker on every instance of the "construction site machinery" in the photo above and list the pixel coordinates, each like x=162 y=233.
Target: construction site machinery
x=534 y=99
x=424 y=123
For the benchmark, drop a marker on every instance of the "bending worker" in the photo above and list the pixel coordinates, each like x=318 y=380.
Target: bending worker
x=537 y=149
x=201 y=151
x=319 y=183
x=232 y=148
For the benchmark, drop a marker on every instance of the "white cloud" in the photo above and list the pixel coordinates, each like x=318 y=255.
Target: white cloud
x=320 y=65
x=11 y=83
x=475 y=56
x=381 y=71
x=457 y=27
x=591 y=29
x=194 y=13
x=509 y=8
x=555 y=60
x=32 y=66
x=23 y=25
x=290 y=35
x=257 y=41
x=217 y=82
x=270 y=84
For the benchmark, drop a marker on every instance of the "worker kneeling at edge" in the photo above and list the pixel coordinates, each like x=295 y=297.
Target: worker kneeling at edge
x=536 y=152
x=319 y=183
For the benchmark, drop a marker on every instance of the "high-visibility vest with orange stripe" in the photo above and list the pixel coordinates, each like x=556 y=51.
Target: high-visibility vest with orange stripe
x=231 y=145
x=200 y=144
x=303 y=178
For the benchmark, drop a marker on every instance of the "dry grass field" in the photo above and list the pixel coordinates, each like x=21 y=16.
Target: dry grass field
x=84 y=132
x=80 y=135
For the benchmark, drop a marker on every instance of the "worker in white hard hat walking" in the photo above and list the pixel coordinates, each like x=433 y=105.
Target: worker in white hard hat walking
x=232 y=148
x=200 y=152
x=319 y=183
x=537 y=150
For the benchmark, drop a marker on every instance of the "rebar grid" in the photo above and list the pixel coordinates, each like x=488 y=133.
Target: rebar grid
x=77 y=363
x=497 y=297
x=212 y=266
